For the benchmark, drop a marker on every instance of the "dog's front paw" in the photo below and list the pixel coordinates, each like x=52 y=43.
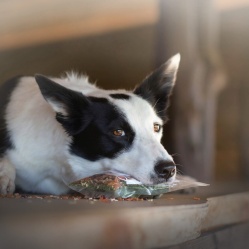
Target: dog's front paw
x=7 y=177
x=7 y=185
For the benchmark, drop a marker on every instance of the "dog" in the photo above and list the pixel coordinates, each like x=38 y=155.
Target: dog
x=52 y=126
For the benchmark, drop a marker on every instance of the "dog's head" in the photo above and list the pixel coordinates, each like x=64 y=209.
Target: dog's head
x=117 y=130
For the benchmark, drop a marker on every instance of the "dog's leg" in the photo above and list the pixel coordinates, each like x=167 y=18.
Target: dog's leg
x=7 y=176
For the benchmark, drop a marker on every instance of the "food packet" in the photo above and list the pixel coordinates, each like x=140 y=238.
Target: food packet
x=112 y=185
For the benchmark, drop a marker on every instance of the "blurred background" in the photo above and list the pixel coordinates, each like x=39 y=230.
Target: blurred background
x=117 y=43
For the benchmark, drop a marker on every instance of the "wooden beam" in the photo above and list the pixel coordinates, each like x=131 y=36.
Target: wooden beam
x=224 y=5
x=28 y=22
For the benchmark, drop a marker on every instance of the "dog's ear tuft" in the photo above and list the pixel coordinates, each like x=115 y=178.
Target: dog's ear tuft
x=71 y=107
x=157 y=87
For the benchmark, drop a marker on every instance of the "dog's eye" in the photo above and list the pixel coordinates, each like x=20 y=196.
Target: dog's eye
x=118 y=133
x=157 y=127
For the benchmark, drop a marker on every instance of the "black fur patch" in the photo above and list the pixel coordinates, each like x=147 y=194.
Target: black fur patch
x=120 y=96
x=5 y=92
x=97 y=140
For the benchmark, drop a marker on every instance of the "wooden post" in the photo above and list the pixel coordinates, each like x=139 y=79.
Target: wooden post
x=190 y=27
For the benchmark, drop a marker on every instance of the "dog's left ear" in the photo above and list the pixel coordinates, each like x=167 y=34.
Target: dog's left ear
x=72 y=108
x=157 y=87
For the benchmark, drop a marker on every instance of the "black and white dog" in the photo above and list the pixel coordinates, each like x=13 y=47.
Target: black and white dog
x=51 y=125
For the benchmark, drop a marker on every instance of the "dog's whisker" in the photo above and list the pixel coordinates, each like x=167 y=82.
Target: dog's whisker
x=175 y=155
x=156 y=104
x=178 y=170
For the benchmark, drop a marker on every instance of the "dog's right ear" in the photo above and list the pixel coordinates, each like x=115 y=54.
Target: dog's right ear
x=71 y=107
x=157 y=87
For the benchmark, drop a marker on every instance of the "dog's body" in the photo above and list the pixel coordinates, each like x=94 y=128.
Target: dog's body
x=49 y=129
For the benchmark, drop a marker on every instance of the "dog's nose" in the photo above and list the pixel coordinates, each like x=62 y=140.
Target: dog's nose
x=165 y=169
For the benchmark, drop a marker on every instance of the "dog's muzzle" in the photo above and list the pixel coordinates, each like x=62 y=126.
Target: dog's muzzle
x=165 y=169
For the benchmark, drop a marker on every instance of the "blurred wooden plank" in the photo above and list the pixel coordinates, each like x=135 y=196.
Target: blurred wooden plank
x=226 y=210
x=231 y=4
x=113 y=60
x=225 y=238
x=233 y=122
x=76 y=227
x=174 y=219
x=29 y=22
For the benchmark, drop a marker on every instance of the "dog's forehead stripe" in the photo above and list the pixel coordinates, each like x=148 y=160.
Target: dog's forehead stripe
x=120 y=96
x=98 y=99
